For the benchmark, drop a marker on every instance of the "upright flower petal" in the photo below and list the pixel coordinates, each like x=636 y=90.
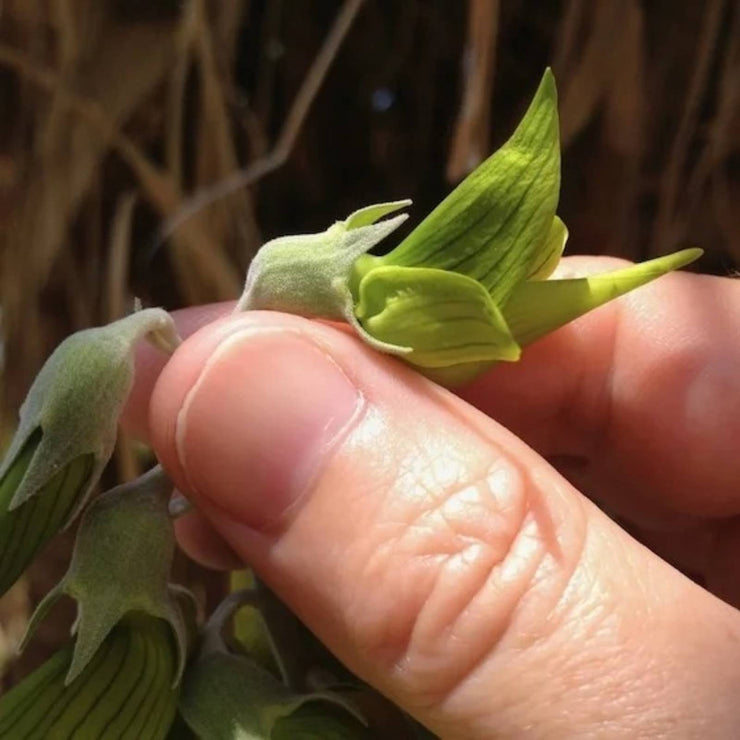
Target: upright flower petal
x=494 y=223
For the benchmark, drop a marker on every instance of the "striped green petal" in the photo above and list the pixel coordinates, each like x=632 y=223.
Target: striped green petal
x=442 y=318
x=25 y=530
x=126 y=686
x=492 y=226
x=539 y=307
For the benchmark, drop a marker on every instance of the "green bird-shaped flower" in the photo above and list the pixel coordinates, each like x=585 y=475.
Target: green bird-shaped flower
x=66 y=433
x=121 y=564
x=468 y=287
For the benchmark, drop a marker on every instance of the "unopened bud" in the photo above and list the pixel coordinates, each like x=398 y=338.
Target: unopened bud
x=66 y=434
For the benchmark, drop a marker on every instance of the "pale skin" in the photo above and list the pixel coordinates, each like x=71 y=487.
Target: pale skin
x=445 y=546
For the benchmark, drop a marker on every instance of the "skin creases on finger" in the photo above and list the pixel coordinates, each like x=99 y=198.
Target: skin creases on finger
x=435 y=553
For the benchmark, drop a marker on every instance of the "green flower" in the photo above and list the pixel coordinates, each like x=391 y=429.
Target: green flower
x=66 y=434
x=468 y=287
x=125 y=690
x=121 y=564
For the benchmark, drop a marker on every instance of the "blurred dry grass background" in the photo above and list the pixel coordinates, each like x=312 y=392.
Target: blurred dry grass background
x=114 y=111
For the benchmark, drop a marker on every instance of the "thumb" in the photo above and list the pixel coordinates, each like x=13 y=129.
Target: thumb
x=431 y=550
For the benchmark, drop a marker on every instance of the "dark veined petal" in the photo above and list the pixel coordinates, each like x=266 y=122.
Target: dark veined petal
x=444 y=318
x=494 y=223
x=539 y=307
x=128 y=683
x=26 y=529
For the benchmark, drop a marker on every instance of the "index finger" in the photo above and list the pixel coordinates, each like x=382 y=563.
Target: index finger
x=644 y=393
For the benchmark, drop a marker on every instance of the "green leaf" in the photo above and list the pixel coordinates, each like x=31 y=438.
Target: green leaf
x=120 y=564
x=228 y=695
x=492 y=226
x=537 y=308
x=444 y=318
x=546 y=260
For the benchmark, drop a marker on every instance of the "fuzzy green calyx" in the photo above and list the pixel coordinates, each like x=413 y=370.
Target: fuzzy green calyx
x=310 y=274
x=66 y=433
x=77 y=397
x=121 y=564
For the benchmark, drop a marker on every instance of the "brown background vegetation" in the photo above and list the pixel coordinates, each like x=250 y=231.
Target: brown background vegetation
x=114 y=112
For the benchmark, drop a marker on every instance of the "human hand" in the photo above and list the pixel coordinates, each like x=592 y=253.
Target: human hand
x=424 y=537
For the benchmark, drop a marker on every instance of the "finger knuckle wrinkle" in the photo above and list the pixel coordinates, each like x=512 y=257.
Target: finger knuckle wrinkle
x=450 y=577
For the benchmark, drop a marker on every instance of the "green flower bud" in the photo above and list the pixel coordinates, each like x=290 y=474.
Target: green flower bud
x=225 y=694
x=66 y=434
x=468 y=287
x=125 y=691
x=120 y=564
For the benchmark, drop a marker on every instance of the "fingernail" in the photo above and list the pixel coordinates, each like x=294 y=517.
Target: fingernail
x=260 y=419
